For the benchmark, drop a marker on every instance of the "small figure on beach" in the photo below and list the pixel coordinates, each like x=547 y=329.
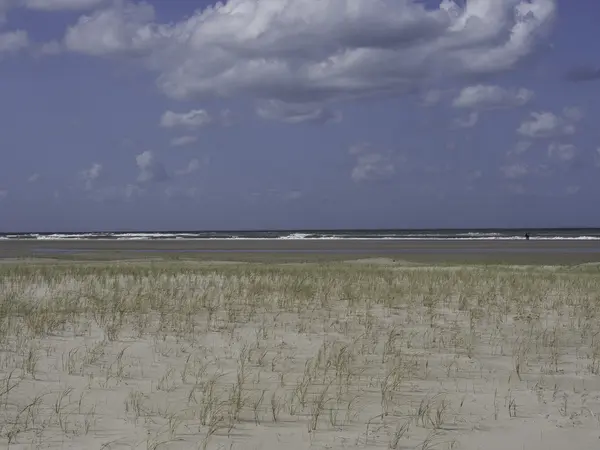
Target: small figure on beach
x=527 y=236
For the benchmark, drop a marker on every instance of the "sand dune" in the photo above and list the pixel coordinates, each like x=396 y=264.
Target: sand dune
x=165 y=356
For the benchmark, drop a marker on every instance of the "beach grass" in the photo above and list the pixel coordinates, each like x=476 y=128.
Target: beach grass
x=180 y=355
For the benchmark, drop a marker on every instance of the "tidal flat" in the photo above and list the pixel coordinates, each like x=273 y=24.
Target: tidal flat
x=269 y=251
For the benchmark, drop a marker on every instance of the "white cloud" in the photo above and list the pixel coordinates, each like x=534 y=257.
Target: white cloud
x=370 y=164
x=432 y=97
x=122 y=27
x=117 y=193
x=467 y=122
x=183 y=141
x=562 y=152
x=195 y=118
x=131 y=190
x=543 y=170
x=310 y=51
x=13 y=41
x=572 y=190
x=363 y=147
x=491 y=97
x=33 y=178
x=515 y=171
x=573 y=113
x=296 y=113
x=545 y=125
x=193 y=166
x=151 y=170
x=3 y=194
x=89 y=176
x=49 y=48
x=521 y=147
x=55 y=5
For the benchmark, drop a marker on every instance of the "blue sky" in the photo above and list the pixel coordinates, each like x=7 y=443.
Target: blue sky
x=180 y=114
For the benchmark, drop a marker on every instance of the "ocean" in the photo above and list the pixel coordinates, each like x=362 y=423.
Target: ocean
x=578 y=234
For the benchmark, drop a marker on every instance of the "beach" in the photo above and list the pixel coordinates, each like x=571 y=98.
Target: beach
x=299 y=344
x=309 y=250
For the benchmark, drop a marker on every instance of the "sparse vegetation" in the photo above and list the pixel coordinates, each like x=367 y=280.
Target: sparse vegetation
x=177 y=356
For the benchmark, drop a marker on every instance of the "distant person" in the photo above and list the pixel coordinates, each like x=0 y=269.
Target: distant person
x=527 y=236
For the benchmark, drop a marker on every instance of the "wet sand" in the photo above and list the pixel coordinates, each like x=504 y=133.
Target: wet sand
x=496 y=252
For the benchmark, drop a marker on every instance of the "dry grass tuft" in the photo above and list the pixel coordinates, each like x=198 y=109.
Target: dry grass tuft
x=171 y=356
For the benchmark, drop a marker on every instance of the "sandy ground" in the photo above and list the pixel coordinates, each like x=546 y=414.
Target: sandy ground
x=428 y=252
x=299 y=358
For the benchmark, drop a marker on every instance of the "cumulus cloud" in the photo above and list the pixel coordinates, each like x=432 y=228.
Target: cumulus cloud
x=583 y=73
x=491 y=97
x=562 y=152
x=193 y=166
x=151 y=170
x=370 y=164
x=123 y=27
x=13 y=41
x=545 y=125
x=306 y=51
x=182 y=141
x=55 y=5
x=515 y=171
x=296 y=113
x=196 y=118
x=467 y=122
x=89 y=176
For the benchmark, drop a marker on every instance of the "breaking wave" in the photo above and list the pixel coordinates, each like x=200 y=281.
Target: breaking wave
x=436 y=235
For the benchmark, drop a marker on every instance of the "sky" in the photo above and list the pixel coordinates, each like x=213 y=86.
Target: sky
x=298 y=114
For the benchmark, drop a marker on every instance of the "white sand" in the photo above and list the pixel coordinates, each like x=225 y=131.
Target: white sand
x=172 y=381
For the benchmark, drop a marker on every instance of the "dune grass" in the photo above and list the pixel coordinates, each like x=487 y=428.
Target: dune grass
x=179 y=356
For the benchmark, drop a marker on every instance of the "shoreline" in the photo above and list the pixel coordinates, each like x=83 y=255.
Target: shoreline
x=325 y=239
x=549 y=252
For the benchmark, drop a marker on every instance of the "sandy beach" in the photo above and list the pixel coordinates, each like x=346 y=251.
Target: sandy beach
x=195 y=354
x=424 y=251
